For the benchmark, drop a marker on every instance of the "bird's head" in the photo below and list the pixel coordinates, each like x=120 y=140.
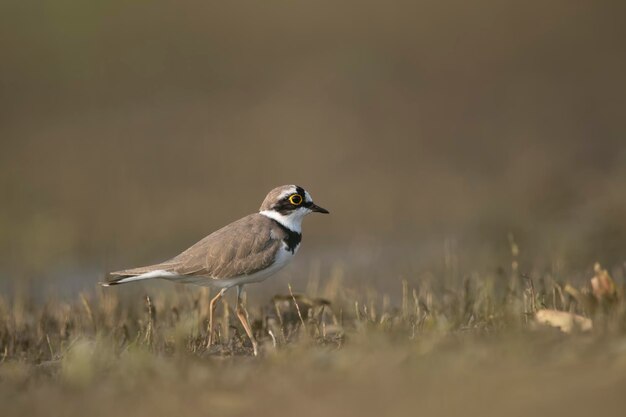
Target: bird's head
x=288 y=205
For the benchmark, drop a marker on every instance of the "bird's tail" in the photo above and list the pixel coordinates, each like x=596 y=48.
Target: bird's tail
x=111 y=279
x=138 y=274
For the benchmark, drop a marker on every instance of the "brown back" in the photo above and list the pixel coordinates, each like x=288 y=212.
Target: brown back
x=240 y=248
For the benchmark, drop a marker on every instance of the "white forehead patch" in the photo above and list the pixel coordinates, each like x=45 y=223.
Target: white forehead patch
x=287 y=192
x=307 y=197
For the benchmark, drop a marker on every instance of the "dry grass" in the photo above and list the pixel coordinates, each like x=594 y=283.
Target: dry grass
x=129 y=130
x=474 y=348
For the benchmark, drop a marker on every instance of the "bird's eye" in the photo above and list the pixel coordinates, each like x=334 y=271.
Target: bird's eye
x=295 y=199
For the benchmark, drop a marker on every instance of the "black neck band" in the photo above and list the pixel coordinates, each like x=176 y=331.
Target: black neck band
x=293 y=238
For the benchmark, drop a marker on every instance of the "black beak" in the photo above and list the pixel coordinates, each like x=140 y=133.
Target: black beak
x=318 y=209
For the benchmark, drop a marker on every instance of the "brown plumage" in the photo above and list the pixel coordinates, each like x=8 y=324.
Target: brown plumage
x=240 y=248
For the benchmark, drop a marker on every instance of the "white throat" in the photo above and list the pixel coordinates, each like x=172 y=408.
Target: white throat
x=292 y=221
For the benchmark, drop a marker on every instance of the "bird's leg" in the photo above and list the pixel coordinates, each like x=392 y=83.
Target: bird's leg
x=212 y=307
x=242 y=314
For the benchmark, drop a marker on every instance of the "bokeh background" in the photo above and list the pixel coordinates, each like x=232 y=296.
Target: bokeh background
x=430 y=129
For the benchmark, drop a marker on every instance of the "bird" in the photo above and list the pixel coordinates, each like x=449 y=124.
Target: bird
x=248 y=250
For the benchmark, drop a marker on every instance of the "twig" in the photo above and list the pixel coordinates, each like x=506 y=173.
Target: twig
x=50 y=347
x=151 y=318
x=83 y=299
x=297 y=306
x=533 y=304
x=405 y=299
x=271 y=333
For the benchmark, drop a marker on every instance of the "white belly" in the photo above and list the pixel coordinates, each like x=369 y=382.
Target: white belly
x=283 y=257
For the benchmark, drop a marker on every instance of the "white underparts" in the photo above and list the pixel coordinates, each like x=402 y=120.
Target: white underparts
x=283 y=257
x=292 y=221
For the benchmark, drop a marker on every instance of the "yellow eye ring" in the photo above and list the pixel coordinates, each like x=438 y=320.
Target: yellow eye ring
x=295 y=199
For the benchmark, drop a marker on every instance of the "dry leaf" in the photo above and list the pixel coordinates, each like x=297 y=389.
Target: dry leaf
x=563 y=320
x=602 y=284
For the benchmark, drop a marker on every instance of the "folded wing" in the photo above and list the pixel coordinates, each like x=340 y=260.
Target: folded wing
x=241 y=248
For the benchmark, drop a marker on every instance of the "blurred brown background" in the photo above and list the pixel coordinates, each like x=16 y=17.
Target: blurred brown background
x=128 y=130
